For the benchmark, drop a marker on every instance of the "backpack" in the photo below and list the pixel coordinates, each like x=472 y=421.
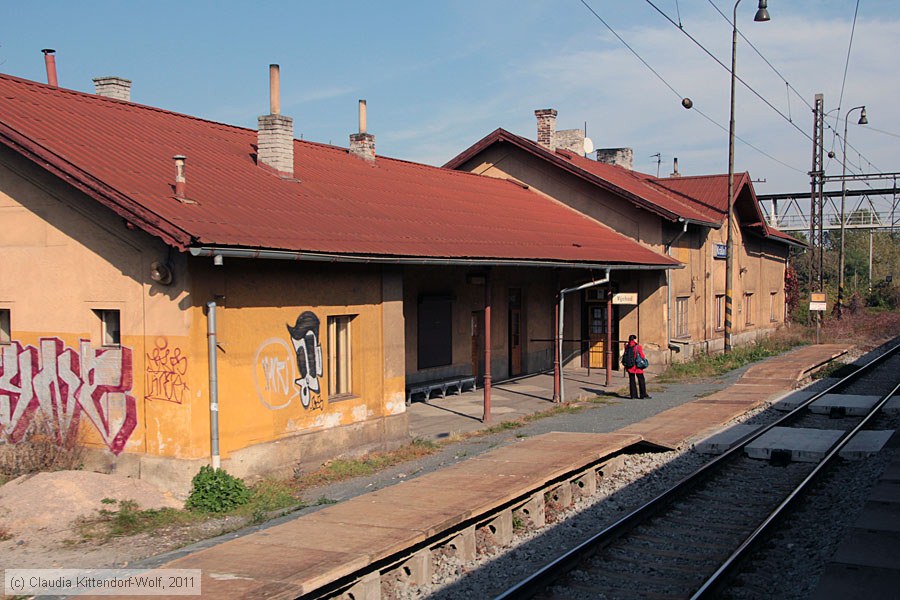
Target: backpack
x=628 y=357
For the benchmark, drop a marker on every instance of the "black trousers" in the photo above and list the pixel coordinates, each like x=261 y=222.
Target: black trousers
x=634 y=388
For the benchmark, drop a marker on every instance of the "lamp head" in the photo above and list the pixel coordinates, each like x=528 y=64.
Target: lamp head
x=762 y=14
x=863 y=120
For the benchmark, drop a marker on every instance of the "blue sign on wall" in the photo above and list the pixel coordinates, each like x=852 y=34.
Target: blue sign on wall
x=720 y=251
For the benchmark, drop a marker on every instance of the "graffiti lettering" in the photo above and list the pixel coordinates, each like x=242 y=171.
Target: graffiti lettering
x=166 y=370
x=61 y=384
x=305 y=337
x=276 y=374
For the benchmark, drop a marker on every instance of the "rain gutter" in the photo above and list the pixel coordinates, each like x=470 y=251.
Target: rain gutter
x=226 y=252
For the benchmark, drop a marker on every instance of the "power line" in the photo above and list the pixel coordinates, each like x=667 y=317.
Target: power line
x=674 y=91
x=738 y=78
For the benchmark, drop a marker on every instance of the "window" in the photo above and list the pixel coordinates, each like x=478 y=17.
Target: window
x=435 y=330
x=720 y=312
x=109 y=327
x=339 y=356
x=681 y=317
x=748 y=309
x=773 y=306
x=5 y=331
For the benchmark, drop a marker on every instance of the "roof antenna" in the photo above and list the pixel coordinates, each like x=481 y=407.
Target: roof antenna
x=658 y=158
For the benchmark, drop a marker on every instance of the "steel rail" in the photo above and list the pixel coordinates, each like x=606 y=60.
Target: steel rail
x=716 y=580
x=538 y=581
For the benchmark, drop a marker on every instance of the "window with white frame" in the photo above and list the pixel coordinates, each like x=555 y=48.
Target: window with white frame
x=5 y=329
x=748 y=309
x=110 y=327
x=773 y=306
x=340 y=359
x=720 y=312
x=681 y=317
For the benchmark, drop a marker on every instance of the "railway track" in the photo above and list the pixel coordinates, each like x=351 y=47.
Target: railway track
x=687 y=541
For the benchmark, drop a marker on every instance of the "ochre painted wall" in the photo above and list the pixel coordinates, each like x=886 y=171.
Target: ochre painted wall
x=63 y=257
x=701 y=279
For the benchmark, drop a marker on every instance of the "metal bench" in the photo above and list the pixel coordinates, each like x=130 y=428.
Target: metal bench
x=427 y=388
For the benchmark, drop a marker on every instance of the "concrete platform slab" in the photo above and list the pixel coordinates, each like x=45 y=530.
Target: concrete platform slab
x=805 y=445
x=792 y=401
x=725 y=439
x=892 y=406
x=880 y=516
x=868 y=548
x=852 y=582
x=854 y=405
x=886 y=490
x=865 y=444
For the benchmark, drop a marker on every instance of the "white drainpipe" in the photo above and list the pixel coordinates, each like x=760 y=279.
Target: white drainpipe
x=559 y=342
x=213 y=386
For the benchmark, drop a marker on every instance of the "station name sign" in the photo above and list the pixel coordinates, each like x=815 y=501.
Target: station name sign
x=817 y=301
x=625 y=298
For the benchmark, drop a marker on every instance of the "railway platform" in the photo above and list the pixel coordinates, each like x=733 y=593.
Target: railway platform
x=397 y=529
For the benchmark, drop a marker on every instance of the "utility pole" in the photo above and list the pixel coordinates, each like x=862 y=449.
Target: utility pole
x=816 y=181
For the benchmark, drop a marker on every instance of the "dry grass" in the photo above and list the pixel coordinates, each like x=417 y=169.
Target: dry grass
x=43 y=447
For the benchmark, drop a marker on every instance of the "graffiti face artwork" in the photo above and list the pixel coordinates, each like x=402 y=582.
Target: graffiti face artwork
x=61 y=384
x=305 y=338
x=287 y=370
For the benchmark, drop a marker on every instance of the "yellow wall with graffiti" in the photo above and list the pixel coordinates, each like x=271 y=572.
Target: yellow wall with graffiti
x=66 y=261
x=277 y=338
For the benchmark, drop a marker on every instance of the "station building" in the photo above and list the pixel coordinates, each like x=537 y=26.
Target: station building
x=679 y=313
x=172 y=286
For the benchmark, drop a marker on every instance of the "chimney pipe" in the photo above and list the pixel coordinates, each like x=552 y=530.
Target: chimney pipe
x=675 y=172
x=362 y=116
x=275 y=136
x=274 y=90
x=362 y=144
x=50 y=62
x=180 y=180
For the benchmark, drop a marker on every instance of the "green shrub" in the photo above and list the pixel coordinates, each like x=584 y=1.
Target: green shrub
x=214 y=490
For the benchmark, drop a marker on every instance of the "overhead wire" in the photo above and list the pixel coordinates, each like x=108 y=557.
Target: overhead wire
x=835 y=133
x=724 y=66
x=674 y=91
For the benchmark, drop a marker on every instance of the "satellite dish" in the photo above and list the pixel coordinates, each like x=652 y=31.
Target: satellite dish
x=588 y=145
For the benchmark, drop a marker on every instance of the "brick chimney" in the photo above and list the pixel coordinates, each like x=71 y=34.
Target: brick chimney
x=621 y=157
x=275 y=138
x=113 y=87
x=546 y=126
x=362 y=144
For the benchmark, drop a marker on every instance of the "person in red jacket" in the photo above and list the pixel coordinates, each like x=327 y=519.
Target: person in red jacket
x=633 y=350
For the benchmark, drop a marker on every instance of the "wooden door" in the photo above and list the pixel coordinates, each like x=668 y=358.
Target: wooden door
x=597 y=329
x=515 y=332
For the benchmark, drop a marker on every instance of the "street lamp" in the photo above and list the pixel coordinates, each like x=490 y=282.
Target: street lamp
x=862 y=121
x=762 y=14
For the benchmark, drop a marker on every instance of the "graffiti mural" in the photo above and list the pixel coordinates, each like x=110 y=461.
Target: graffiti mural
x=166 y=371
x=285 y=371
x=305 y=337
x=61 y=384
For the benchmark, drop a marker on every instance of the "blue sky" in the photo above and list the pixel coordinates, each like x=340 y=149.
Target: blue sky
x=438 y=76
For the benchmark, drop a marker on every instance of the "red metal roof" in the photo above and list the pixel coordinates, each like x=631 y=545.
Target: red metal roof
x=121 y=154
x=701 y=199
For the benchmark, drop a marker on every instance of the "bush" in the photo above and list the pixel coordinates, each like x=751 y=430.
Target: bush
x=884 y=295
x=42 y=447
x=214 y=490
